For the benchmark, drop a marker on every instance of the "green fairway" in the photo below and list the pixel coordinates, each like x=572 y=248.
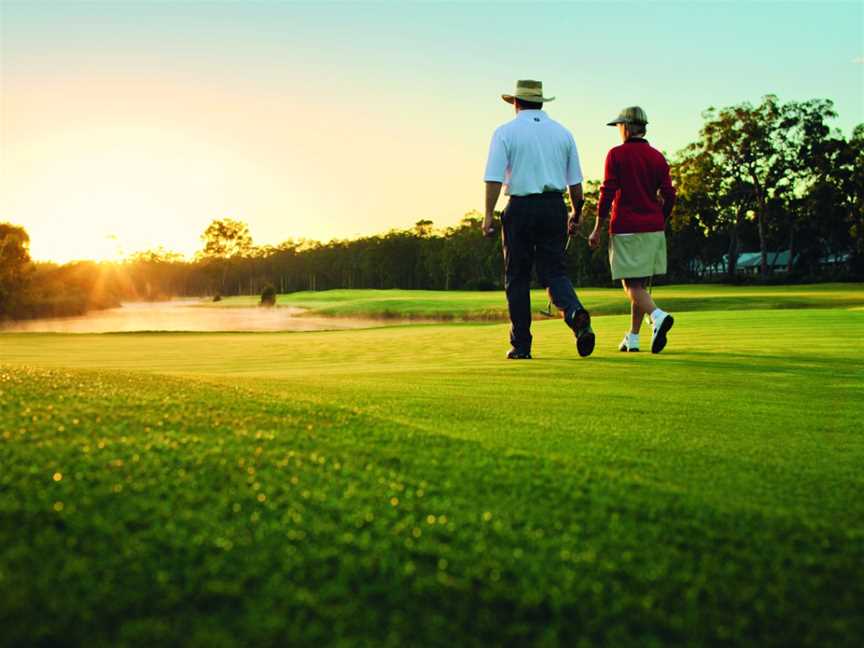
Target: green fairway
x=408 y=486
x=474 y=305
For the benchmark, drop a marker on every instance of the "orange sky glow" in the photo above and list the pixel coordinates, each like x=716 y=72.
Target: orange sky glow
x=126 y=126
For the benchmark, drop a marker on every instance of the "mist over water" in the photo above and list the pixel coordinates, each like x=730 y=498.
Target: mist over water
x=186 y=315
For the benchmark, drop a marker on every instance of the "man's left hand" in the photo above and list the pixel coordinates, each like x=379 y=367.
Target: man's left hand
x=488 y=226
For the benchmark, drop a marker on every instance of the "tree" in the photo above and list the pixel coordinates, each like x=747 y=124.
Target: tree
x=807 y=154
x=157 y=273
x=766 y=157
x=849 y=177
x=742 y=142
x=423 y=228
x=712 y=199
x=14 y=266
x=225 y=240
x=156 y=255
x=467 y=259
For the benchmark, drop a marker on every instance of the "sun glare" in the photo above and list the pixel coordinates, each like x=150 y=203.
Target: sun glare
x=111 y=195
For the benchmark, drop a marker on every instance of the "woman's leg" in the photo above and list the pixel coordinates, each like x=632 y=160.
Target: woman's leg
x=636 y=317
x=641 y=302
x=635 y=311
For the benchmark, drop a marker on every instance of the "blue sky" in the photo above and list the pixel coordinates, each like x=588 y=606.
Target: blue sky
x=333 y=120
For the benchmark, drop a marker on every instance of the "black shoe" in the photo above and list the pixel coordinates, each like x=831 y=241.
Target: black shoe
x=516 y=354
x=579 y=321
x=658 y=340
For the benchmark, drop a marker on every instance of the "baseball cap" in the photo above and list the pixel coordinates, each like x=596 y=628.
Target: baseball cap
x=630 y=115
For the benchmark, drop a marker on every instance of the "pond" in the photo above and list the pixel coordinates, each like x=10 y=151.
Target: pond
x=187 y=315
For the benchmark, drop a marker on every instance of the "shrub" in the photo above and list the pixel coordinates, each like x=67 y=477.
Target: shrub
x=268 y=296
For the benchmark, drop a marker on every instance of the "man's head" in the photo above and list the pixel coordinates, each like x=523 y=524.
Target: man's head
x=521 y=104
x=631 y=122
x=528 y=95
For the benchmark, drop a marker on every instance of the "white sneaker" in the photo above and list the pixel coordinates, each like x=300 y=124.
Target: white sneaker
x=662 y=324
x=629 y=343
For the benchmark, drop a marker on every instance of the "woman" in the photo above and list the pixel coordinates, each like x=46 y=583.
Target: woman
x=635 y=175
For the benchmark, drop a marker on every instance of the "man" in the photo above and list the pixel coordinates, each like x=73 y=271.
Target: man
x=536 y=159
x=635 y=174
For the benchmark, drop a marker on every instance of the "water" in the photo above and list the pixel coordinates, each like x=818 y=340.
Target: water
x=186 y=315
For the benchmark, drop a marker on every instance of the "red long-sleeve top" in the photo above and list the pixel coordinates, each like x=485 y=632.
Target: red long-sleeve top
x=635 y=173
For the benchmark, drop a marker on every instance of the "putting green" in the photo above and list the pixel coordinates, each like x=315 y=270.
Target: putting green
x=407 y=485
x=473 y=305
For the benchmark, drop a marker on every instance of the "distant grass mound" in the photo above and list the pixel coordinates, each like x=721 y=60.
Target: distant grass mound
x=407 y=486
x=491 y=305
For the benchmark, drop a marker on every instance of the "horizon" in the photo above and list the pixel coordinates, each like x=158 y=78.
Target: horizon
x=334 y=122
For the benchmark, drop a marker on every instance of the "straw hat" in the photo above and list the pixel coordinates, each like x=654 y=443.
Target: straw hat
x=528 y=90
x=630 y=115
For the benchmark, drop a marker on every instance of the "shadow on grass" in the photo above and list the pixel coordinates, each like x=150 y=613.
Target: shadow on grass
x=363 y=531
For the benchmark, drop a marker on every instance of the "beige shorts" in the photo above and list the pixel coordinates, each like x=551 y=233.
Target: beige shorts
x=637 y=255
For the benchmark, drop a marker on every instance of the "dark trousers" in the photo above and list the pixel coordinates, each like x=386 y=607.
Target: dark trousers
x=534 y=230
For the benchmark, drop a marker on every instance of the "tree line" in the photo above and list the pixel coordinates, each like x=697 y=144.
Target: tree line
x=765 y=179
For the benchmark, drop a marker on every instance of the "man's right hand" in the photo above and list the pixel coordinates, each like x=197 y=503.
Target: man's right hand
x=594 y=238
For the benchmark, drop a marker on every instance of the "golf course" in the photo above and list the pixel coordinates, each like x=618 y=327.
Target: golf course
x=489 y=305
x=405 y=485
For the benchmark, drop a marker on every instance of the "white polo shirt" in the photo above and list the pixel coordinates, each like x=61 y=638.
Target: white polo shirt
x=532 y=154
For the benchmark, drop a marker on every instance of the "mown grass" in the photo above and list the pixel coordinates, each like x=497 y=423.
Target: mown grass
x=407 y=486
x=491 y=305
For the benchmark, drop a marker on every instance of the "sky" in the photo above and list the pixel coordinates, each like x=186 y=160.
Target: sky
x=130 y=125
